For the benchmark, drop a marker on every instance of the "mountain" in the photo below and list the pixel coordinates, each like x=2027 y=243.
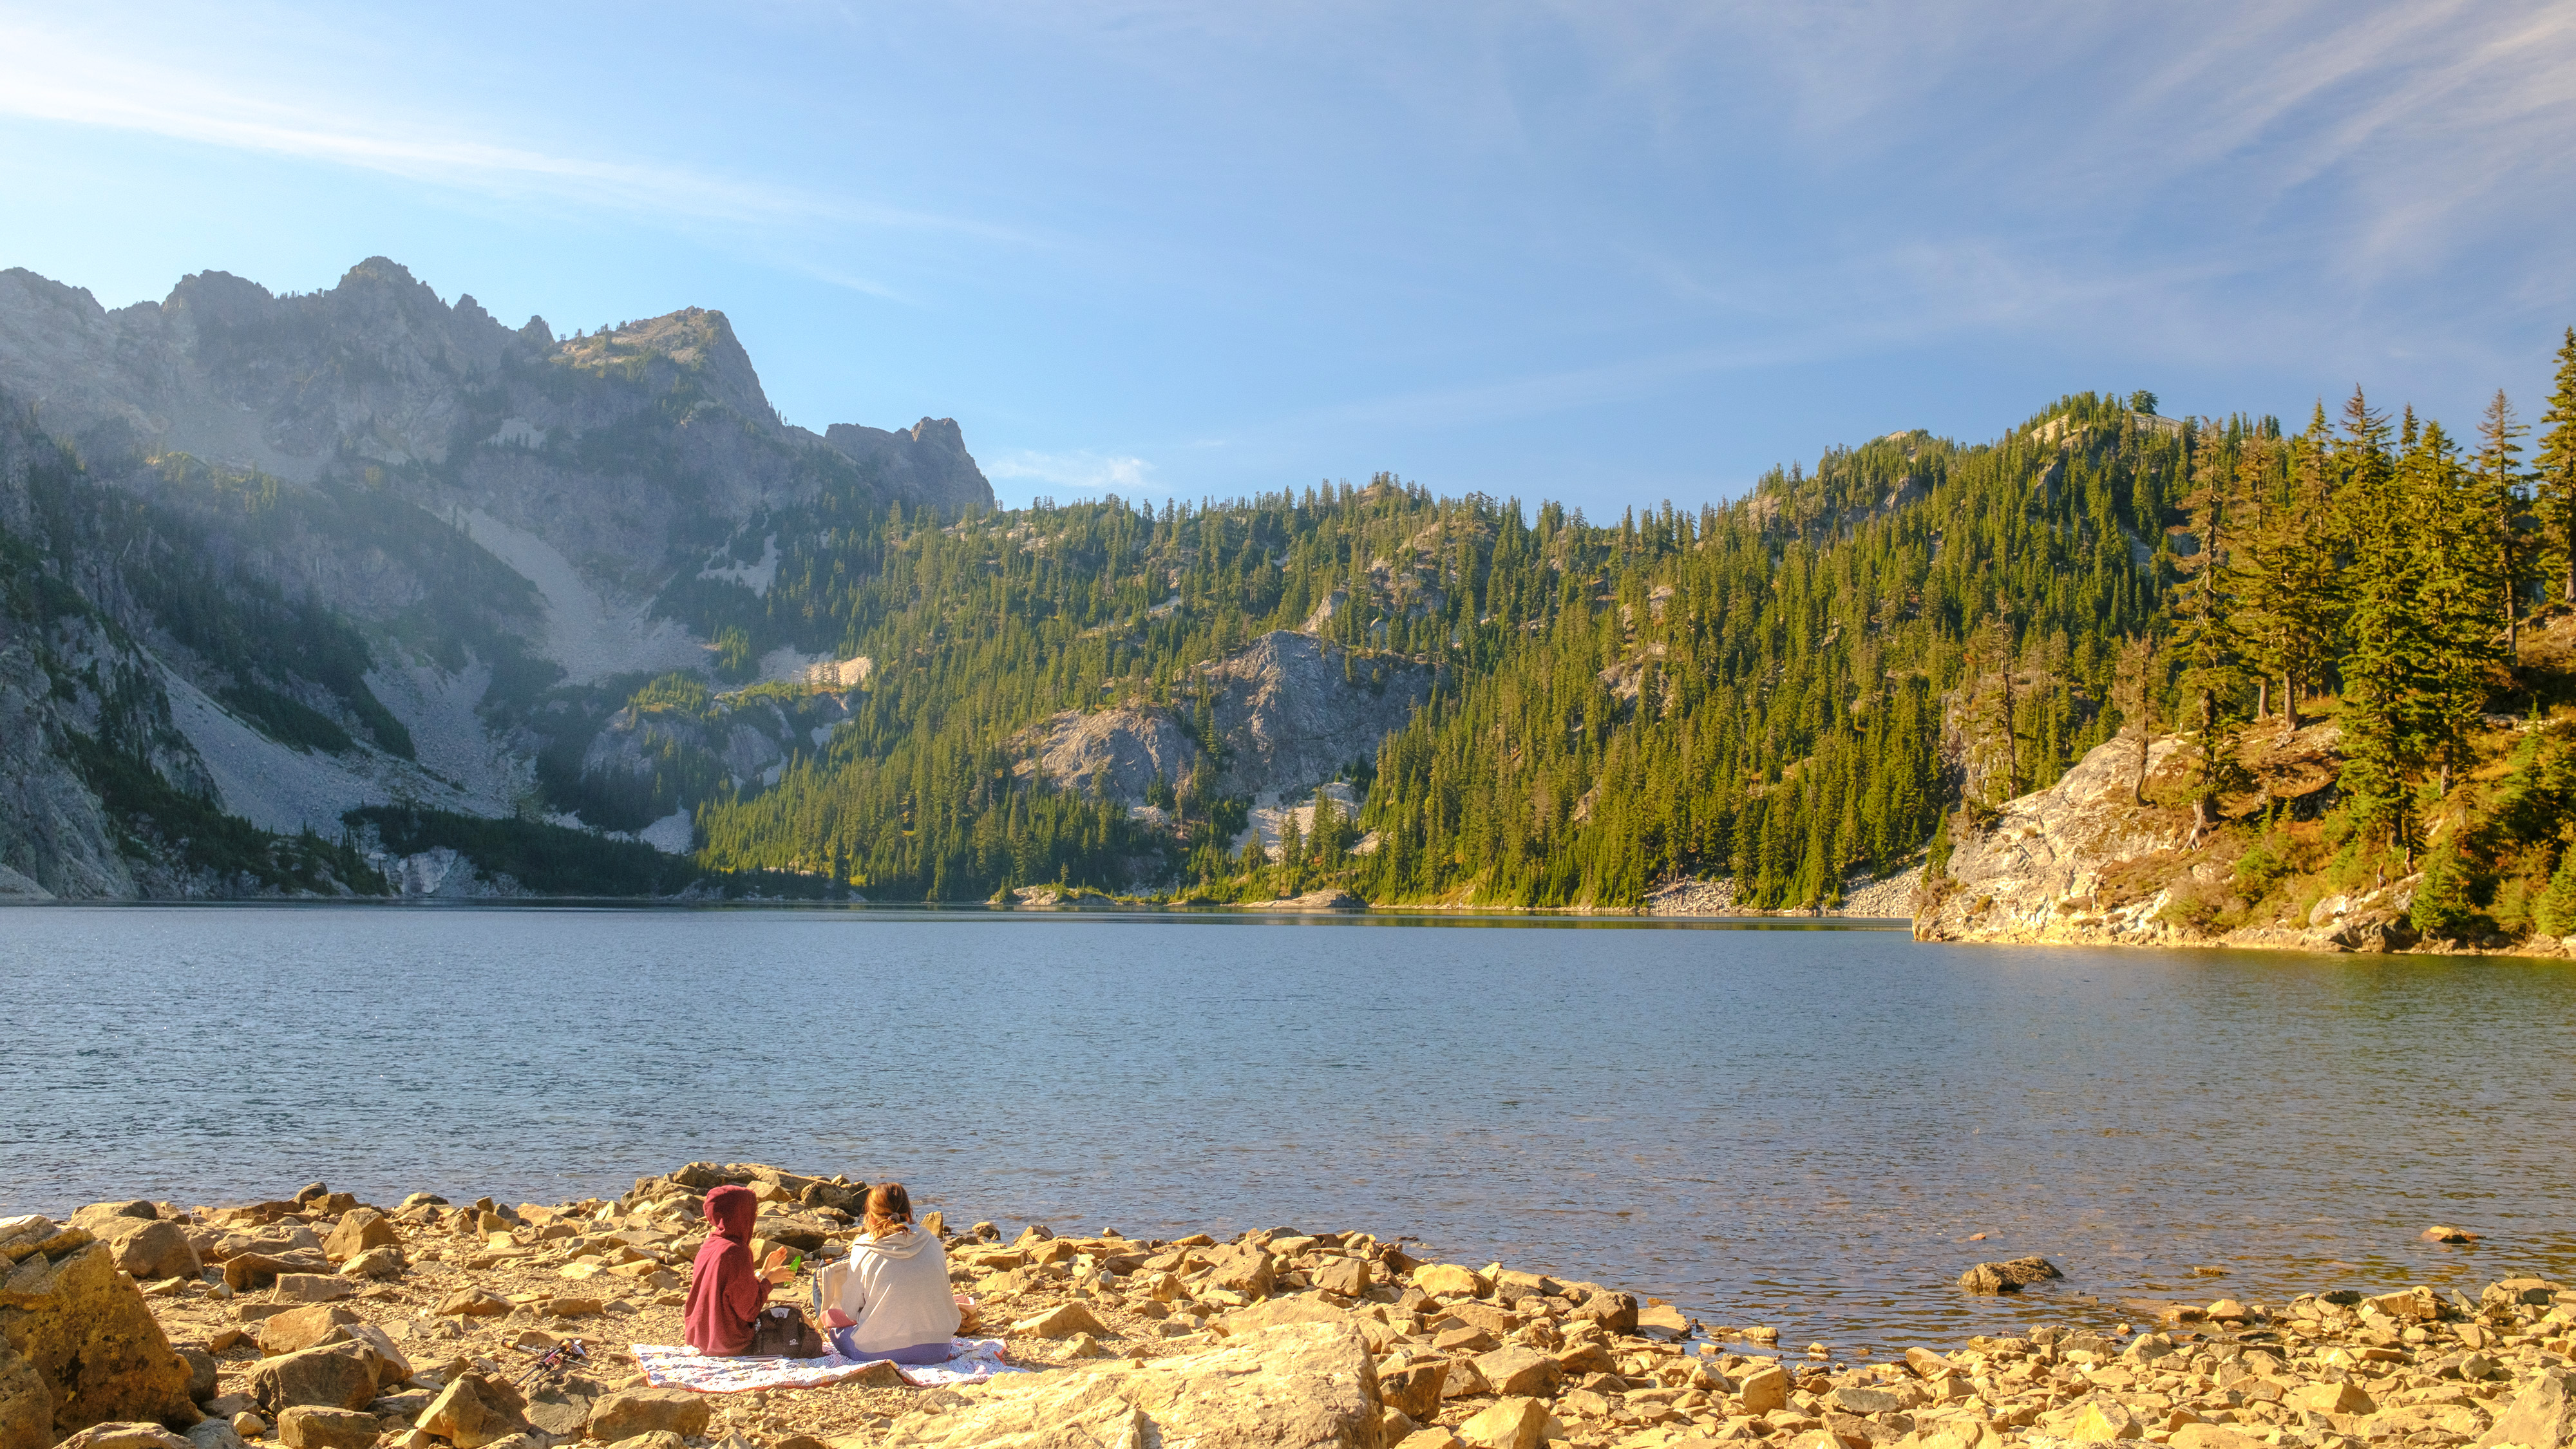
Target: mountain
x=365 y=592
x=494 y=535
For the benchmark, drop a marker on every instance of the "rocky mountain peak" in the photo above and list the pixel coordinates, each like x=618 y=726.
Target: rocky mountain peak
x=927 y=461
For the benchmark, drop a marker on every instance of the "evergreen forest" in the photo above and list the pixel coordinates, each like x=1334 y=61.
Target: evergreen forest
x=1800 y=689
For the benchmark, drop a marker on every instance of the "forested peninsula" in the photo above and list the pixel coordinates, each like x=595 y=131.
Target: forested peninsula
x=475 y=610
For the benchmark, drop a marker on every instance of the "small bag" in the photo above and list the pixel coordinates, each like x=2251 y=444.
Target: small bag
x=783 y=1332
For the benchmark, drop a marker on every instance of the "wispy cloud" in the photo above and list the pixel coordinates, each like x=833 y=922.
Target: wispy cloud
x=1080 y=471
x=75 y=79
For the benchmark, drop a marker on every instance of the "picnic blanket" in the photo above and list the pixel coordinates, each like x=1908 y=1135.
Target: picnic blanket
x=669 y=1366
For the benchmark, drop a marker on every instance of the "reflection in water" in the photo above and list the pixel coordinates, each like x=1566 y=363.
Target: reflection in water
x=1800 y=1125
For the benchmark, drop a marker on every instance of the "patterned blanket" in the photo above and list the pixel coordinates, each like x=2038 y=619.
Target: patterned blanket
x=972 y=1361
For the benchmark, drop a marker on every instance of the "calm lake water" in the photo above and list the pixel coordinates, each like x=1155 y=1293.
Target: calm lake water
x=1792 y=1124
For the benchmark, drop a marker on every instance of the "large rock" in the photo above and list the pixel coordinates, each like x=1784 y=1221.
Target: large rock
x=1516 y=1371
x=645 y=1411
x=248 y=1272
x=2009 y=1277
x=26 y=1405
x=302 y=1328
x=474 y=1410
x=360 y=1229
x=1511 y=1423
x=155 y=1250
x=2542 y=1416
x=307 y=1426
x=1242 y=1268
x=88 y=1334
x=131 y=1435
x=1297 y=1386
x=334 y=1375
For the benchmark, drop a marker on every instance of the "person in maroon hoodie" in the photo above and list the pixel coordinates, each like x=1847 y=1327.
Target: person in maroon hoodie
x=725 y=1294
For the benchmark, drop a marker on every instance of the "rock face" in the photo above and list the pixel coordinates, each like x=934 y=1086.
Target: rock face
x=91 y=1339
x=2082 y=863
x=26 y=1405
x=1290 y=713
x=927 y=461
x=1298 y=1386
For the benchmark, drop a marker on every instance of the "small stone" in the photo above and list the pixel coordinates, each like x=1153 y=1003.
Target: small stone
x=1517 y=1371
x=474 y=1410
x=474 y=1303
x=574 y=1307
x=1083 y=1345
x=302 y=1328
x=1063 y=1322
x=2443 y=1233
x=249 y=1425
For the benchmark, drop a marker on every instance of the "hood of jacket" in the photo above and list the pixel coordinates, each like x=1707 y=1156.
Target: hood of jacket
x=905 y=1243
x=730 y=1211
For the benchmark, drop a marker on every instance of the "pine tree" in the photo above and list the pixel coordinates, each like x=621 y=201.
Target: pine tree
x=2504 y=512
x=2456 y=581
x=2554 y=471
x=2206 y=643
x=2385 y=740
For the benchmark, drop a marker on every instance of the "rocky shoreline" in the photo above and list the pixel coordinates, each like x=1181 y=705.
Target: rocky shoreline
x=318 y=1322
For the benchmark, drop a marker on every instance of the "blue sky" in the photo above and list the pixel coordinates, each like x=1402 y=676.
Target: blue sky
x=1597 y=252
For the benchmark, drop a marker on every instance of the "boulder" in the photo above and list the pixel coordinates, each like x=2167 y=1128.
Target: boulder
x=250 y=1271
x=108 y=1219
x=2099 y=1423
x=90 y=1337
x=1615 y=1312
x=333 y=1375
x=26 y=1405
x=309 y=1426
x=1662 y=1321
x=1449 y=1280
x=360 y=1230
x=1511 y=1423
x=201 y=1373
x=155 y=1250
x=473 y=1410
x=374 y=1264
x=2342 y=1398
x=625 y=1415
x=1348 y=1277
x=214 y=1434
x=1414 y=1388
x=1765 y=1390
x=2542 y=1416
x=312 y=1288
x=116 y=1434
x=1515 y=1371
x=1296 y=1386
x=1242 y=1268
x=302 y=1328
x=2009 y=1277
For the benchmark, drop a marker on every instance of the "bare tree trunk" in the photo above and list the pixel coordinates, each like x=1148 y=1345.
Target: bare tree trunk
x=2292 y=688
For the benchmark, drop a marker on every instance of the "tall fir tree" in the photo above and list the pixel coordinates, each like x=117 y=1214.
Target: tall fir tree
x=2554 y=468
x=2385 y=739
x=2505 y=514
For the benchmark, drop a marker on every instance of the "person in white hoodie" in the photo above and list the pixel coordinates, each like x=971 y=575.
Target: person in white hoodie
x=891 y=1300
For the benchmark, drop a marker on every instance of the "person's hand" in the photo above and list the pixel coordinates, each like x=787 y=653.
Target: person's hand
x=774 y=1267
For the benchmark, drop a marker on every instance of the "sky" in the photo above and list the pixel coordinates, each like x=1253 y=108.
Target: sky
x=1606 y=253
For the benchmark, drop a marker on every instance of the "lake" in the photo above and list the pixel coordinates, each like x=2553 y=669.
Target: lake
x=1789 y=1123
